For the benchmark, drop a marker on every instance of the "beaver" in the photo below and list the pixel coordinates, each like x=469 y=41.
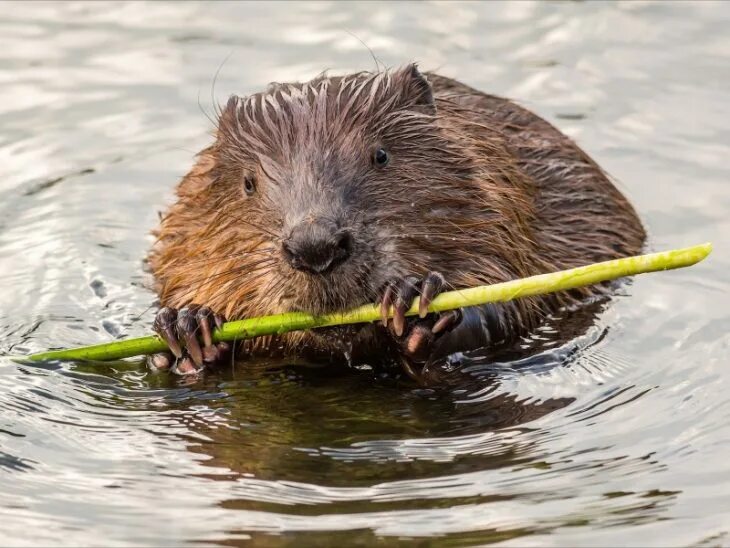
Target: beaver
x=377 y=187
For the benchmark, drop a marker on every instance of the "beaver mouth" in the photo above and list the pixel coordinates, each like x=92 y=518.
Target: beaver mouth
x=319 y=303
x=328 y=294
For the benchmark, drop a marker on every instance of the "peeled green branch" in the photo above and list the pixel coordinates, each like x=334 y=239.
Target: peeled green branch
x=507 y=291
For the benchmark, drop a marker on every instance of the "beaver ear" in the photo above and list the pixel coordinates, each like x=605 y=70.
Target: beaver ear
x=416 y=89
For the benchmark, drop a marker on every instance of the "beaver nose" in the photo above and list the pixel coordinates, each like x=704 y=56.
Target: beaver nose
x=317 y=247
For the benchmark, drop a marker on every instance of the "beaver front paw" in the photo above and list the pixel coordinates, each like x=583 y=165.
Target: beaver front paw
x=194 y=325
x=416 y=336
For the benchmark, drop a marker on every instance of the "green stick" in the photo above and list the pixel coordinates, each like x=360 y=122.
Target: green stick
x=294 y=321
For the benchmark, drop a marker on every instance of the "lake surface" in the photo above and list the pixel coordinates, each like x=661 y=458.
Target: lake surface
x=619 y=438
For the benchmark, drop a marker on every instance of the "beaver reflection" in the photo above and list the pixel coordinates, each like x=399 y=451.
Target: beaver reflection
x=300 y=424
x=348 y=426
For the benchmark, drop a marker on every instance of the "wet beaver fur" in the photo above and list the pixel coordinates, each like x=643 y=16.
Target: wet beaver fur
x=324 y=195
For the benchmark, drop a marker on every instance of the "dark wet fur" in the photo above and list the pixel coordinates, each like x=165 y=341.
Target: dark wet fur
x=477 y=188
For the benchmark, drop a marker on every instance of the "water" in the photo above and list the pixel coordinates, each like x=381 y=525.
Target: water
x=622 y=442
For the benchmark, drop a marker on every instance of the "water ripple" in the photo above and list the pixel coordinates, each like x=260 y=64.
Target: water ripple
x=612 y=435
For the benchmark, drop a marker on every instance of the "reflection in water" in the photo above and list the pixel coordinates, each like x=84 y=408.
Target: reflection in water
x=609 y=426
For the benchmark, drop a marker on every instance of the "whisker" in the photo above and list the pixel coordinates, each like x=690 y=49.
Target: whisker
x=216 y=107
x=275 y=236
x=203 y=280
x=224 y=257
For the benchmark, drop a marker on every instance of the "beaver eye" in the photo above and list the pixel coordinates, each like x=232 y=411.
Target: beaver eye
x=380 y=158
x=249 y=185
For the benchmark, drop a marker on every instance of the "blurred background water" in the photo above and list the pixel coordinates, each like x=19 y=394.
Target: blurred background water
x=624 y=442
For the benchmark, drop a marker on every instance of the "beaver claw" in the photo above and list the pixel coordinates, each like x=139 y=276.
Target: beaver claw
x=193 y=325
x=416 y=336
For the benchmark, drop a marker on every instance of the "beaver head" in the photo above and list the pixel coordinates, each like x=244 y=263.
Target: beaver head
x=315 y=195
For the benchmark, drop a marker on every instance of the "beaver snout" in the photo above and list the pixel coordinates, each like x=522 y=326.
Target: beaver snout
x=317 y=246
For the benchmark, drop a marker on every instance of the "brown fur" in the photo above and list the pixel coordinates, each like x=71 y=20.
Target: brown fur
x=478 y=189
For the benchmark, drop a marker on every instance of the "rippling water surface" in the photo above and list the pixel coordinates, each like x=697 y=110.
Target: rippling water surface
x=620 y=437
